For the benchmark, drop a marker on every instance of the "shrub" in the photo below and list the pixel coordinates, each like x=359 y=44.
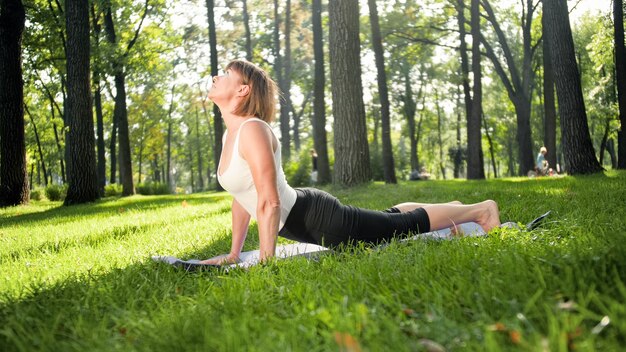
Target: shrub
x=56 y=192
x=298 y=170
x=36 y=194
x=152 y=188
x=112 y=190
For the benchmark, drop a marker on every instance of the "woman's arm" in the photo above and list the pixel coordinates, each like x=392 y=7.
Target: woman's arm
x=256 y=144
x=240 y=222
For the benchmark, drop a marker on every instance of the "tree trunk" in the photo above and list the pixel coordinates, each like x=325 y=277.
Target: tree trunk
x=281 y=74
x=14 y=187
x=578 y=150
x=81 y=164
x=439 y=137
x=113 y=151
x=320 y=141
x=519 y=85
x=217 y=115
x=457 y=154
x=168 y=158
x=246 y=25
x=120 y=112
x=475 y=166
x=388 y=163
x=350 y=138
x=409 y=110
x=199 y=151
x=98 y=108
x=464 y=59
x=39 y=150
x=620 y=68
x=549 y=104
x=491 y=151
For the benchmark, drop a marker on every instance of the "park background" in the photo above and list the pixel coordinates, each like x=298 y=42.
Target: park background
x=111 y=99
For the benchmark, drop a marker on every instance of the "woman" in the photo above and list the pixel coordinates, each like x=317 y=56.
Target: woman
x=250 y=170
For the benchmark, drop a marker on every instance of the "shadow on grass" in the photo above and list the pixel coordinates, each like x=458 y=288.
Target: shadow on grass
x=88 y=311
x=100 y=238
x=109 y=206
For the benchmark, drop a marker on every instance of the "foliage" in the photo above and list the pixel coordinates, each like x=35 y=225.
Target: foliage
x=56 y=192
x=153 y=188
x=37 y=193
x=112 y=190
x=81 y=278
x=298 y=170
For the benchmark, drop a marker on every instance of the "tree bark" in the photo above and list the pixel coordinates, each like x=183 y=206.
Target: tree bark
x=217 y=114
x=620 y=68
x=439 y=136
x=81 y=164
x=577 y=147
x=549 y=104
x=168 y=158
x=388 y=162
x=14 y=188
x=352 y=159
x=464 y=59
x=320 y=141
x=475 y=164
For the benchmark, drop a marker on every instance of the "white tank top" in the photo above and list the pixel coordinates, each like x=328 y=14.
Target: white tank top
x=237 y=179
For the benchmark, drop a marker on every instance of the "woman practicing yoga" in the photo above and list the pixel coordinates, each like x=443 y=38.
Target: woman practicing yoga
x=250 y=170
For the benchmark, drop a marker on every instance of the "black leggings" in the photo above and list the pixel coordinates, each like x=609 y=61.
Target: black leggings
x=318 y=217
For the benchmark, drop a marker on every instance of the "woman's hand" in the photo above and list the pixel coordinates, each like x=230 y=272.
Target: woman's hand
x=223 y=259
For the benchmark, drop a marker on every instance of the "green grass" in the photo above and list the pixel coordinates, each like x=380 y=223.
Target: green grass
x=80 y=278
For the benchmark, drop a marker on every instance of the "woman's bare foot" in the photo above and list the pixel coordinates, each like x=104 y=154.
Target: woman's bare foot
x=490 y=215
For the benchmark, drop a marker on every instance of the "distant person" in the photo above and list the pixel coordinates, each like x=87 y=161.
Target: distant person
x=422 y=174
x=250 y=170
x=541 y=166
x=313 y=166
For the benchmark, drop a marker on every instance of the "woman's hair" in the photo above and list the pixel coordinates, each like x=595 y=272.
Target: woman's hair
x=543 y=150
x=261 y=102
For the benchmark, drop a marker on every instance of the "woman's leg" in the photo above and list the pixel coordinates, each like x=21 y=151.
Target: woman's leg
x=441 y=216
x=410 y=206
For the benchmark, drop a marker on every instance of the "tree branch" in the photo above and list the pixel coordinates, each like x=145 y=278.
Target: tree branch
x=134 y=40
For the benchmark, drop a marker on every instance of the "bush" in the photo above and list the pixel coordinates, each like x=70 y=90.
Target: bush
x=298 y=169
x=153 y=188
x=36 y=194
x=112 y=190
x=56 y=192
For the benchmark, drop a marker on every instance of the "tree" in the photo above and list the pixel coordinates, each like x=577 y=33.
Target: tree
x=351 y=148
x=97 y=100
x=217 y=115
x=121 y=111
x=14 y=188
x=518 y=83
x=388 y=164
x=319 y=107
x=282 y=71
x=246 y=24
x=577 y=147
x=620 y=68
x=81 y=157
x=549 y=123
x=475 y=164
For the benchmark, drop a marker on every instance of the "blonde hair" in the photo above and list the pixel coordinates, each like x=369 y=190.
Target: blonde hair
x=261 y=101
x=543 y=150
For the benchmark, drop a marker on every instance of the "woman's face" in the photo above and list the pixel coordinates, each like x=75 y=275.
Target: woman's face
x=225 y=86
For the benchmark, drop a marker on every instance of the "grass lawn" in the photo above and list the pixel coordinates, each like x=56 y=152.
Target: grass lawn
x=80 y=278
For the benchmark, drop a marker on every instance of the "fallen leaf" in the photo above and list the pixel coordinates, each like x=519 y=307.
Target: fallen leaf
x=516 y=336
x=346 y=342
x=601 y=325
x=408 y=312
x=568 y=305
x=184 y=204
